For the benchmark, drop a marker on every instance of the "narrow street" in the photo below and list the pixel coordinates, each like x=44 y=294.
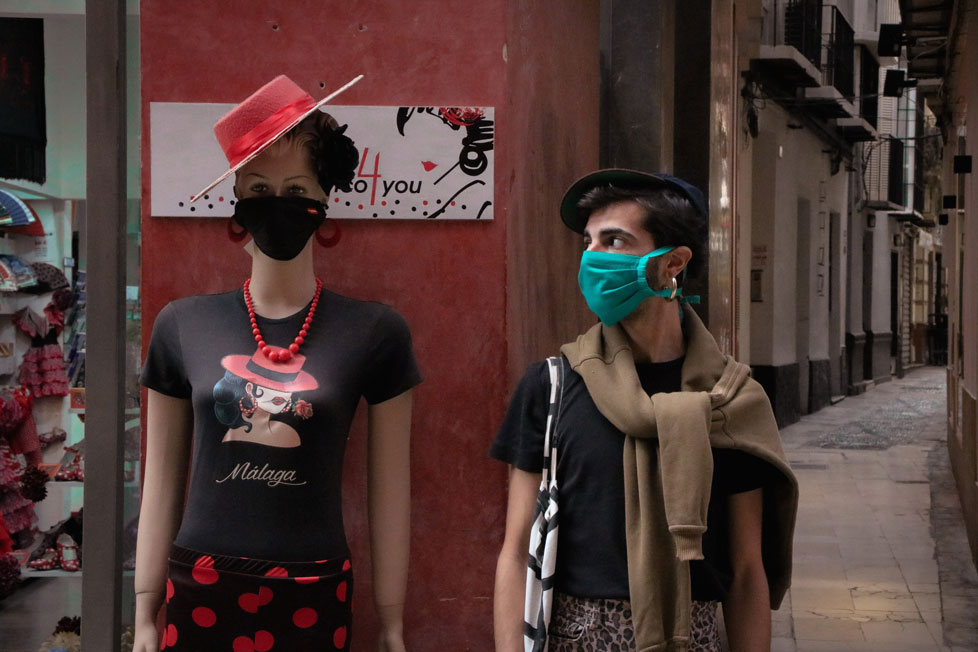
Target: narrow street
x=881 y=556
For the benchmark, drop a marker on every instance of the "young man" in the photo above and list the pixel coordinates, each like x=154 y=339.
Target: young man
x=674 y=491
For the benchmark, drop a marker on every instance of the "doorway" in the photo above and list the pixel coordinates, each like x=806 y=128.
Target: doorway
x=836 y=359
x=802 y=299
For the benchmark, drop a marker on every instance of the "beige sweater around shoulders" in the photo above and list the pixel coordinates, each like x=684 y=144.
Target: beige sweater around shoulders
x=668 y=467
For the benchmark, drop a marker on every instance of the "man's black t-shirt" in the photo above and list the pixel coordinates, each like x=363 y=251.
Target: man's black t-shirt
x=269 y=439
x=591 y=553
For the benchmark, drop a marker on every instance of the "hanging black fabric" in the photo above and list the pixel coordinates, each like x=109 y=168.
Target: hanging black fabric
x=23 y=134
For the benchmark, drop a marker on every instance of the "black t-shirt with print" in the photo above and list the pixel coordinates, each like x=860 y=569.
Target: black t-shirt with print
x=269 y=439
x=591 y=551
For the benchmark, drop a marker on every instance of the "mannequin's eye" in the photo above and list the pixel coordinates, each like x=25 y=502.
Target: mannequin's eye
x=297 y=190
x=258 y=187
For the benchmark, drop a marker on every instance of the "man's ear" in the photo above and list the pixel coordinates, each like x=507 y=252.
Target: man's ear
x=674 y=262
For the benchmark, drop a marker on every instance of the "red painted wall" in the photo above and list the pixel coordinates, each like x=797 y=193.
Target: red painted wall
x=481 y=298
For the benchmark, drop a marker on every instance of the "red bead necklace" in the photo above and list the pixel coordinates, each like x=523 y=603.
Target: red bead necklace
x=283 y=355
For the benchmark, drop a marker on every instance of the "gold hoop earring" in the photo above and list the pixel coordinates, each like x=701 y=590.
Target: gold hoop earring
x=675 y=288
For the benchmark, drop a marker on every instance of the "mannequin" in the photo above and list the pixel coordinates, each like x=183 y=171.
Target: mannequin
x=262 y=407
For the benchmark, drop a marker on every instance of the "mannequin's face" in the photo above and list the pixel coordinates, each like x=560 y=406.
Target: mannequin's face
x=284 y=170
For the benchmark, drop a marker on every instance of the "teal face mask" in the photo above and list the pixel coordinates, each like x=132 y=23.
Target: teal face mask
x=615 y=284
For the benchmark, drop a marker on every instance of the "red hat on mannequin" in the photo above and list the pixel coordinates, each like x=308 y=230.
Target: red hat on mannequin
x=250 y=127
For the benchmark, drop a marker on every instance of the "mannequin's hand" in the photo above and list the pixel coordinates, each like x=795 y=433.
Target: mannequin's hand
x=146 y=638
x=389 y=642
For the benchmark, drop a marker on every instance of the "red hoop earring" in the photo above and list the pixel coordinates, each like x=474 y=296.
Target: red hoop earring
x=332 y=240
x=248 y=411
x=234 y=235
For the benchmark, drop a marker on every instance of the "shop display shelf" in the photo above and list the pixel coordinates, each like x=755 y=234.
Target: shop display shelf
x=58 y=573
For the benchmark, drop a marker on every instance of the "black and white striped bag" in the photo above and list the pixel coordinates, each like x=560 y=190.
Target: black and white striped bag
x=542 y=560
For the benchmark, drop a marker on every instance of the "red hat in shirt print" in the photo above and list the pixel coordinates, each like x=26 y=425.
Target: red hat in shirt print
x=280 y=376
x=266 y=389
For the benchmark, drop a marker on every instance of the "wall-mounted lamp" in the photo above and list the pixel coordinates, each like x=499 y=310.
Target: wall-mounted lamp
x=891 y=40
x=895 y=81
x=962 y=164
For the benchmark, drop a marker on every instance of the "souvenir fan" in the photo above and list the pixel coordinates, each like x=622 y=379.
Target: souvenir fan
x=16 y=216
x=8 y=282
x=20 y=271
x=49 y=278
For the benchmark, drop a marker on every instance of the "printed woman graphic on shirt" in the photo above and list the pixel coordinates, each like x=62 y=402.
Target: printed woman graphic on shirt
x=253 y=391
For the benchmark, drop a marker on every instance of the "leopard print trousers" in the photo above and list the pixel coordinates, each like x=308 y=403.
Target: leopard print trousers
x=596 y=625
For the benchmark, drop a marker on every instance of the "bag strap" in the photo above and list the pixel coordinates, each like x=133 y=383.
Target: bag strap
x=541 y=561
x=556 y=366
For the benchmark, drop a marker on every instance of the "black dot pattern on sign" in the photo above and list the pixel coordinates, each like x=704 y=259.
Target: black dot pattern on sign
x=414 y=208
x=210 y=205
x=397 y=201
x=347 y=203
x=232 y=202
x=193 y=208
x=393 y=212
x=181 y=204
x=425 y=213
x=207 y=196
x=463 y=207
x=437 y=201
x=375 y=214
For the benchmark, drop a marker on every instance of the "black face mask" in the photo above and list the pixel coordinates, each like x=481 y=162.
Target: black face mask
x=280 y=226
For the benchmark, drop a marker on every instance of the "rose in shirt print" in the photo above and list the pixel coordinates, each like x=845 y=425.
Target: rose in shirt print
x=253 y=390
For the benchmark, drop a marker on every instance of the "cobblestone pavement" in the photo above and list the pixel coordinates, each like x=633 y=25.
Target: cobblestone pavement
x=881 y=556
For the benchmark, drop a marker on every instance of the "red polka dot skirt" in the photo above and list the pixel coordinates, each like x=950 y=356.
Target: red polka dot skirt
x=237 y=604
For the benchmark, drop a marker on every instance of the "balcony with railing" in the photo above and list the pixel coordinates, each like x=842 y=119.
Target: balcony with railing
x=839 y=52
x=869 y=86
x=884 y=175
x=862 y=127
x=803 y=28
x=918 y=169
x=896 y=168
x=791 y=56
x=811 y=63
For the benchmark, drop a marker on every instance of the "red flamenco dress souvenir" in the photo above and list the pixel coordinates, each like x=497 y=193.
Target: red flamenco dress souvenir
x=43 y=368
x=17 y=512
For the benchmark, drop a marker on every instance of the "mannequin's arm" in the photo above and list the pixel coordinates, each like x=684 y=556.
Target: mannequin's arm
x=389 y=511
x=169 y=430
